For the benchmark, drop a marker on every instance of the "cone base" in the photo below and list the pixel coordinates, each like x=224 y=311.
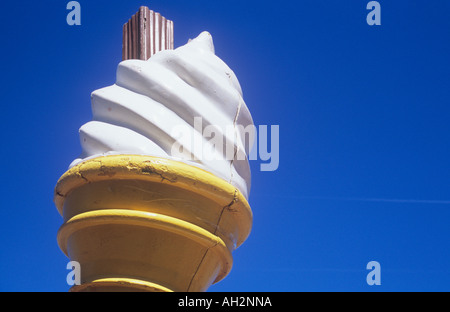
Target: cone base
x=119 y=285
x=142 y=223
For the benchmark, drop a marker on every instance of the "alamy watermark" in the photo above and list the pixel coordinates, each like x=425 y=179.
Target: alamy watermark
x=74 y=276
x=231 y=142
x=374 y=276
x=74 y=16
x=374 y=16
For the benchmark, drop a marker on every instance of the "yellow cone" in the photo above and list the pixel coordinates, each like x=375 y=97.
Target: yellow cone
x=141 y=223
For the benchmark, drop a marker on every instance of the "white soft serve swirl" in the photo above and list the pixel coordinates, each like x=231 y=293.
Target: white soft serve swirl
x=138 y=114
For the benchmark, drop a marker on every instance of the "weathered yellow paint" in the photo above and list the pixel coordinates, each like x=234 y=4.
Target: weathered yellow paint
x=149 y=224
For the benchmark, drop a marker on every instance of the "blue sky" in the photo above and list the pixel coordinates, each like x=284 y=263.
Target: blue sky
x=364 y=140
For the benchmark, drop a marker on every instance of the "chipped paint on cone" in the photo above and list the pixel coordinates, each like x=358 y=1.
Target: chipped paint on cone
x=145 y=223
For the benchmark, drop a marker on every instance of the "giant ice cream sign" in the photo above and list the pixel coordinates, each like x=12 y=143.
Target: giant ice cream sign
x=144 y=207
x=151 y=100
